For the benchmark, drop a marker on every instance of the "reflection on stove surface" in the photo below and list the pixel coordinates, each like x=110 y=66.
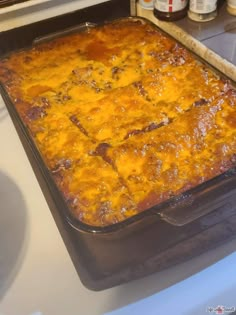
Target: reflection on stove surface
x=13 y=227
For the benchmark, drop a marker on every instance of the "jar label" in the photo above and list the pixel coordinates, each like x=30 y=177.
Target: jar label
x=231 y=3
x=202 y=6
x=147 y=4
x=170 y=5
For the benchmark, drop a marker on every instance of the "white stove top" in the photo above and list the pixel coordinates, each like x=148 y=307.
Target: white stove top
x=36 y=272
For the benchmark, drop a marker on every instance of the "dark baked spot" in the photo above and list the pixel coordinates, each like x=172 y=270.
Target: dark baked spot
x=132 y=133
x=77 y=123
x=200 y=102
x=102 y=148
x=62 y=164
x=116 y=71
x=27 y=59
x=148 y=128
x=35 y=112
x=140 y=88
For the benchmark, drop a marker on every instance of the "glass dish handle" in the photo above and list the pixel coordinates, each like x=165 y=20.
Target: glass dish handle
x=203 y=200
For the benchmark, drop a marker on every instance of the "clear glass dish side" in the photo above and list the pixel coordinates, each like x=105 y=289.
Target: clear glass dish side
x=179 y=210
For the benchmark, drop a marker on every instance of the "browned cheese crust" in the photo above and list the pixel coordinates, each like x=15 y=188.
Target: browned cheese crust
x=123 y=116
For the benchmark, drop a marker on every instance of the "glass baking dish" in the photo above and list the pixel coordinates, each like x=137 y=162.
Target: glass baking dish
x=180 y=226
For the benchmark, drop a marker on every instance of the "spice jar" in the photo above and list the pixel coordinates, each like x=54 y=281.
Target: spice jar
x=170 y=10
x=147 y=4
x=231 y=7
x=202 y=10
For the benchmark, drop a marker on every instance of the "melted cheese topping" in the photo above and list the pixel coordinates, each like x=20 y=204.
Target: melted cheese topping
x=123 y=116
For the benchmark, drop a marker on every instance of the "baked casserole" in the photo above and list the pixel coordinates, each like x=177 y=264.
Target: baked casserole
x=124 y=117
